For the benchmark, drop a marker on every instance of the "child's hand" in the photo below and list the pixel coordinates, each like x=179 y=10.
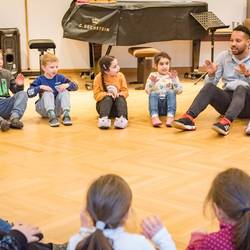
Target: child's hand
x=62 y=87
x=173 y=74
x=111 y=94
x=150 y=226
x=84 y=219
x=19 y=80
x=211 y=68
x=29 y=231
x=242 y=69
x=197 y=236
x=153 y=79
x=178 y=91
x=46 y=88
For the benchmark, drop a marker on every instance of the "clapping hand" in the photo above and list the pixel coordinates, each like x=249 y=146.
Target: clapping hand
x=153 y=79
x=173 y=74
x=150 y=226
x=84 y=219
x=242 y=69
x=211 y=67
x=20 y=80
x=197 y=236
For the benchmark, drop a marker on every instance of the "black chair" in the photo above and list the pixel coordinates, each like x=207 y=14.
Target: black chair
x=42 y=45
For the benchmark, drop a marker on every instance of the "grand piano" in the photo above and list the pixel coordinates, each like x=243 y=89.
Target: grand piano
x=128 y=23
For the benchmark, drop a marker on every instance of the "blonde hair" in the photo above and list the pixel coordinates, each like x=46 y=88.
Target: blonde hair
x=48 y=58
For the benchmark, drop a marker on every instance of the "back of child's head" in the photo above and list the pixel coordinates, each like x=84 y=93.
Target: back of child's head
x=161 y=55
x=108 y=201
x=230 y=191
x=48 y=58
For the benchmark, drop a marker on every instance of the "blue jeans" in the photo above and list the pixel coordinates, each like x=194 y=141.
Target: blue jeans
x=162 y=105
x=14 y=106
x=5 y=226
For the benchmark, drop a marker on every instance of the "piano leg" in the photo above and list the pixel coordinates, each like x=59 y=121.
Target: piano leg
x=95 y=53
x=196 y=44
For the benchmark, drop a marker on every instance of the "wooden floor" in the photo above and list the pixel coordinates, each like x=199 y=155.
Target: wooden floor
x=45 y=172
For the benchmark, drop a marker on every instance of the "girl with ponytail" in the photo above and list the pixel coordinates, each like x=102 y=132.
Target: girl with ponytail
x=229 y=197
x=108 y=203
x=110 y=92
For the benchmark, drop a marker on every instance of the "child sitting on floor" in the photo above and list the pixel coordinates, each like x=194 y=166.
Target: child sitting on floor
x=110 y=92
x=162 y=87
x=53 y=89
x=108 y=203
x=229 y=196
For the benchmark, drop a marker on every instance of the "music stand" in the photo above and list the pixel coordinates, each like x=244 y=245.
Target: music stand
x=210 y=22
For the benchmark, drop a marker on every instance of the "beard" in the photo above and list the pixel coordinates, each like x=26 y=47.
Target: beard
x=237 y=51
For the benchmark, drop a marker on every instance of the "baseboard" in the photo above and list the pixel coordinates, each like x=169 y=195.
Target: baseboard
x=65 y=71
x=29 y=72
x=181 y=70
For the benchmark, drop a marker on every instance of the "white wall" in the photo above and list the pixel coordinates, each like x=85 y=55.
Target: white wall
x=45 y=22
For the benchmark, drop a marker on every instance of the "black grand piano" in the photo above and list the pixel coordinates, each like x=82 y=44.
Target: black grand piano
x=135 y=22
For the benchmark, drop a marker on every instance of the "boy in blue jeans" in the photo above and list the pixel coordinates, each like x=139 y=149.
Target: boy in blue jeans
x=11 y=107
x=53 y=90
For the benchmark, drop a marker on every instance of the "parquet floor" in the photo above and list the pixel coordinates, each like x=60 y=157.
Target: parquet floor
x=45 y=172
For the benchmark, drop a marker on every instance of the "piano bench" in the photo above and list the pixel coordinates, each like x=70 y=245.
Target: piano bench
x=144 y=64
x=42 y=45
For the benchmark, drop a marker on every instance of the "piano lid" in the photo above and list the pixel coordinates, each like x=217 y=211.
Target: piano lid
x=133 y=22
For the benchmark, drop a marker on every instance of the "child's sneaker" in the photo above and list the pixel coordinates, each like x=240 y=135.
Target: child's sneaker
x=169 y=121
x=247 y=130
x=104 y=122
x=184 y=123
x=5 y=125
x=120 y=122
x=222 y=127
x=53 y=122
x=66 y=120
x=156 y=122
x=16 y=123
